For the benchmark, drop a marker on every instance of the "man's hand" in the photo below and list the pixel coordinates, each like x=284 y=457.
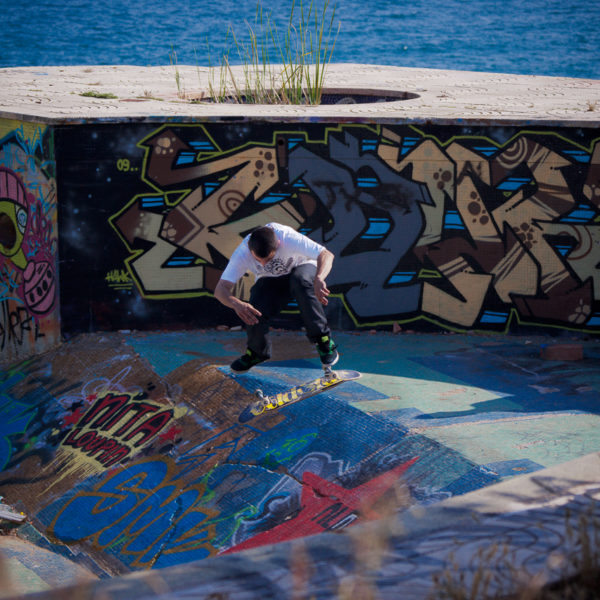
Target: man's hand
x=324 y=263
x=321 y=291
x=247 y=313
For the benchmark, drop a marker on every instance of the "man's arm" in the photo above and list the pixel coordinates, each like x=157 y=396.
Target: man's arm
x=324 y=264
x=245 y=311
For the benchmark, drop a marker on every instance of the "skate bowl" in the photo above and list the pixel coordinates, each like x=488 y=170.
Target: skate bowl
x=463 y=213
x=127 y=458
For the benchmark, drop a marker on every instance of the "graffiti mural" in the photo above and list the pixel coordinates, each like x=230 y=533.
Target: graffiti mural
x=324 y=506
x=143 y=514
x=15 y=416
x=459 y=228
x=29 y=321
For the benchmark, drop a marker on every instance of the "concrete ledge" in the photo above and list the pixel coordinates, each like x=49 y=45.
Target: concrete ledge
x=53 y=95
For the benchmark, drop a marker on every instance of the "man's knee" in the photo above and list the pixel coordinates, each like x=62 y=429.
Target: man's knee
x=302 y=278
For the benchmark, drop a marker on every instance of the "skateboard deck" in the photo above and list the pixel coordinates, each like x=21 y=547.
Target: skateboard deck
x=299 y=392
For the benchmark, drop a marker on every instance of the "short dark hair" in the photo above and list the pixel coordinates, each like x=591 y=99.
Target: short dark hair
x=262 y=241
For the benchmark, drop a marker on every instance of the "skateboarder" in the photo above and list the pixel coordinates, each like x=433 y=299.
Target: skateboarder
x=286 y=264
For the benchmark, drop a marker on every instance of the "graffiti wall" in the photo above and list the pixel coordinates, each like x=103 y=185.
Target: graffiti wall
x=29 y=306
x=458 y=228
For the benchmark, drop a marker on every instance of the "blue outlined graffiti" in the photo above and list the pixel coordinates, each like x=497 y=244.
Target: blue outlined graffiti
x=141 y=514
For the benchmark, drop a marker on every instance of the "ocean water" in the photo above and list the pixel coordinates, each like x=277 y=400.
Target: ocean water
x=533 y=37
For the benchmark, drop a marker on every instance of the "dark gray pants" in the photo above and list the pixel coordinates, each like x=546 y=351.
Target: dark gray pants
x=271 y=294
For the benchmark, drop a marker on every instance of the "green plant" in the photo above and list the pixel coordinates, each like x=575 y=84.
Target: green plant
x=92 y=94
x=217 y=91
x=178 y=80
x=304 y=51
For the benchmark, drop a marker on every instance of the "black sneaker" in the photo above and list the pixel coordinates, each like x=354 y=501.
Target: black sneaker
x=247 y=361
x=327 y=351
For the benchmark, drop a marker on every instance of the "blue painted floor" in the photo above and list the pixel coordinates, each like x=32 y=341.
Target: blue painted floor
x=492 y=399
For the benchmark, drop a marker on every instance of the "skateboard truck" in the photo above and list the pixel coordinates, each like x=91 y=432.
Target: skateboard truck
x=328 y=372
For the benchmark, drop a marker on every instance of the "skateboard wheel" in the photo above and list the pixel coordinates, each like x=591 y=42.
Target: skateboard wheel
x=259 y=394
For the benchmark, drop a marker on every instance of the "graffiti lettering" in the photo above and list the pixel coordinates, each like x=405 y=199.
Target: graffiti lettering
x=325 y=505
x=115 y=426
x=335 y=516
x=117 y=276
x=92 y=443
x=288 y=450
x=143 y=514
x=469 y=233
x=123 y=164
x=17 y=325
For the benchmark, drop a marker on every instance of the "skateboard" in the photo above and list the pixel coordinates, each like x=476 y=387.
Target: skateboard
x=264 y=403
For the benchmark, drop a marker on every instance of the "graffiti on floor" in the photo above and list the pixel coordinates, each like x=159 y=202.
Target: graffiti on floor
x=151 y=483
x=323 y=506
x=113 y=428
x=31 y=419
x=143 y=514
x=466 y=233
x=78 y=427
x=15 y=416
x=136 y=478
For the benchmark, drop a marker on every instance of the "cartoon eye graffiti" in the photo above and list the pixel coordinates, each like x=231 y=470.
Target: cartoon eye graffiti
x=21 y=219
x=13 y=216
x=8 y=233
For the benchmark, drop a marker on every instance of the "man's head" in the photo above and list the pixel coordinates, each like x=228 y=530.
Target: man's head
x=263 y=244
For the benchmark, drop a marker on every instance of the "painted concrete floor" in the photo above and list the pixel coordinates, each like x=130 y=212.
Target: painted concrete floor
x=493 y=399
x=492 y=408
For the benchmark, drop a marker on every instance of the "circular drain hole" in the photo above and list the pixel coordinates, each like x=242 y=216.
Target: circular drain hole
x=328 y=98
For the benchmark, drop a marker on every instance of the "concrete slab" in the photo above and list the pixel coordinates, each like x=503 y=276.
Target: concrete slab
x=26 y=568
x=54 y=95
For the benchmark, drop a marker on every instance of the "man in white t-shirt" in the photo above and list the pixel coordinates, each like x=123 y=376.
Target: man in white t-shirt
x=287 y=265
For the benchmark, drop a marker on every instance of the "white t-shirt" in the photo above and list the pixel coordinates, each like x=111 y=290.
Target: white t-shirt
x=295 y=249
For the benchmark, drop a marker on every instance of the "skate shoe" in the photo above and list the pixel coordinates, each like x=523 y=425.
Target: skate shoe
x=247 y=361
x=327 y=351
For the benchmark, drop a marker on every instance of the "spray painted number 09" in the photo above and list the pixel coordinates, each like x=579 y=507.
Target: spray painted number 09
x=123 y=164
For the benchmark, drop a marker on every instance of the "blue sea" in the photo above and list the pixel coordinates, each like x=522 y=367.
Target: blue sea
x=533 y=37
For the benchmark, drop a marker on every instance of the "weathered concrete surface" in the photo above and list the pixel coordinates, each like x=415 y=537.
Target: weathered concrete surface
x=26 y=567
x=53 y=94
x=433 y=418
x=521 y=534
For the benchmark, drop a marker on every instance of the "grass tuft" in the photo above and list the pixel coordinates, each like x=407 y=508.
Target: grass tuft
x=302 y=52
x=93 y=94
